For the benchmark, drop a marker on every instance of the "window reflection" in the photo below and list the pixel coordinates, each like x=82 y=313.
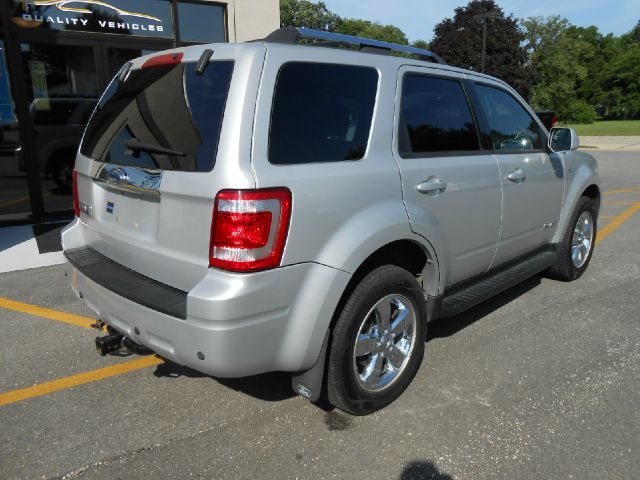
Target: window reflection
x=200 y=22
x=168 y=107
x=62 y=86
x=512 y=128
x=14 y=195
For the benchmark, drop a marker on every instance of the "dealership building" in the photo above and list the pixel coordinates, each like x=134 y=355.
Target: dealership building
x=56 y=56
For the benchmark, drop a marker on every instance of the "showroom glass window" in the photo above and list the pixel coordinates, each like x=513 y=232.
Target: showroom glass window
x=62 y=88
x=201 y=22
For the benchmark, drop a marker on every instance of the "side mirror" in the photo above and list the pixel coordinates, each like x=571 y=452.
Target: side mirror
x=563 y=139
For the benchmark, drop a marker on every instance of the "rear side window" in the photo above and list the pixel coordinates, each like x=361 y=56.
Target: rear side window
x=435 y=117
x=166 y=117
x=511 y=126
x=321 y=113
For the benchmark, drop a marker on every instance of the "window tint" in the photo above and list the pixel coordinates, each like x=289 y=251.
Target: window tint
x=200 y=22
x=435 y=117
x=169 y=107
x=512 y=128
x=321 y=113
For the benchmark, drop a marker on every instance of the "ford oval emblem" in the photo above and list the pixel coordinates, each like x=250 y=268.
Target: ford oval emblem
x=117 y=176
x=304 y=391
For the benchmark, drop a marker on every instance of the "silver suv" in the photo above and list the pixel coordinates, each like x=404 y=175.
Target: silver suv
x=277 y=205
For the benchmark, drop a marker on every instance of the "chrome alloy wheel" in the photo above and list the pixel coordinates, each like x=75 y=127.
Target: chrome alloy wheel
x=582 y=239
x=384 y=343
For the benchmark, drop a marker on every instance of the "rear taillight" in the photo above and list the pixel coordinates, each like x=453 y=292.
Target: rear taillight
x=554 y=121
x=249 y=229
x=76 y=198
x=159 y=60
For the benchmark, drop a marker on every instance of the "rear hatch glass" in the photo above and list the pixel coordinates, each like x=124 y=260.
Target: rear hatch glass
x=166 y=117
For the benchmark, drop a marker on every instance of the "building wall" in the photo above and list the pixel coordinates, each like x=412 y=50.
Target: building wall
x=251 y=19
x=256 y=18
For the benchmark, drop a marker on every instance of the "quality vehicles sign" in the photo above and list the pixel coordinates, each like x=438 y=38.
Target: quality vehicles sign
x=151 y=18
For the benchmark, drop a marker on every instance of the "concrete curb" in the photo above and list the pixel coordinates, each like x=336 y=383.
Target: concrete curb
x=624 y=143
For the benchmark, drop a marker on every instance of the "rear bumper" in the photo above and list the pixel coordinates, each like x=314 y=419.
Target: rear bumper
x=235 y=324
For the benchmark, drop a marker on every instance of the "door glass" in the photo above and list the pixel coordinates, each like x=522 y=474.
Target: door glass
x=201 y=23
x=435 y=117
x=14 y=196
x=62 y=86
x=512 y=128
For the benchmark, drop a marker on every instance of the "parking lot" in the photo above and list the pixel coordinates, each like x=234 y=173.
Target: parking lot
x=541 y=382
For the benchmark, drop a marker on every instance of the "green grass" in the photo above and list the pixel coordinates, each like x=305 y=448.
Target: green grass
x=608 y=127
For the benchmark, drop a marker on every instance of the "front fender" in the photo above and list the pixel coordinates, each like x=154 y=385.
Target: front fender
x=581 y=173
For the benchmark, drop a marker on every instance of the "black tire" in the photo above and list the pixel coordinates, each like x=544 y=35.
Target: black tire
x=62 y=171
x=565 y=268
x=345 y=388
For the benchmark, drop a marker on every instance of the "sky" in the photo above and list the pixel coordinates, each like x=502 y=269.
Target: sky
x=416 y=18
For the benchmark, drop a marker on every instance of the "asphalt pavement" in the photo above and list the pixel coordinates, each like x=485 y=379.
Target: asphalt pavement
x=540 y=382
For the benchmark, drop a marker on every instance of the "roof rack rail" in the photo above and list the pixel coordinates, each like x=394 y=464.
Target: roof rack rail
x=292 y=35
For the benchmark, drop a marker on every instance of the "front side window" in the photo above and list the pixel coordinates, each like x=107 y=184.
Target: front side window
x=435 y=117
x=511 y=126
x=321 y=113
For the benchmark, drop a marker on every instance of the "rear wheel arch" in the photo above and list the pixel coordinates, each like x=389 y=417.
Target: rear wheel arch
x=406 y=254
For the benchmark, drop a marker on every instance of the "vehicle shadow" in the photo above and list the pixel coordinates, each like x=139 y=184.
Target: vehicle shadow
x=445 y=327
x=424 y=470
x=270 y=387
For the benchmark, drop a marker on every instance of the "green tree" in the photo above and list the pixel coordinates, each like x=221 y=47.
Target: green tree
x=421 y=44
x=562 y=66
x=303 y=13
x=541 y=33
x=624 y=80
x=367 y=29
x=458 y=41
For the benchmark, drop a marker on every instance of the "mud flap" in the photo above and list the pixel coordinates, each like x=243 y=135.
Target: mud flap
x=309 y=384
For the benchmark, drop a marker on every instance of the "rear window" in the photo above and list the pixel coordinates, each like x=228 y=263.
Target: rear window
x=166 y=117
x=321 y=113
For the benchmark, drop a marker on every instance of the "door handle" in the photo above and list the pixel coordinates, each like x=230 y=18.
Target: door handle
x=517 y=176
x=431 y=186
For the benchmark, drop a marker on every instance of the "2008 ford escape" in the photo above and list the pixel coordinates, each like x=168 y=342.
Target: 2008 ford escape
x=244 y=208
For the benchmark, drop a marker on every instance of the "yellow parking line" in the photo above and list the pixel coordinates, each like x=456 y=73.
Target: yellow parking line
x=46 y=313
x=79 y=379
x=623 y=190
x=14 y=202
x=612 y=226
x=616 y=202
x=20 y=200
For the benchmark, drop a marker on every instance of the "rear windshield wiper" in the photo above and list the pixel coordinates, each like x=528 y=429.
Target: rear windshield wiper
x=137 y=146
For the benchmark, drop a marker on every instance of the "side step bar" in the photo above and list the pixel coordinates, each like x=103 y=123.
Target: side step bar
x=471 y=294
